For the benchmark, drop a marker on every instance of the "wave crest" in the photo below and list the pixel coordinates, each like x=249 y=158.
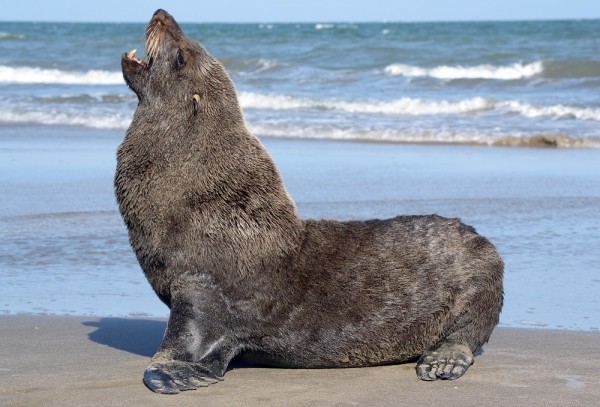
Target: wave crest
x=510 y=72
x=418 y=107
x=28 y=75
x=408 y=136
x=403 y=106
x=57 y=118
x=324 y=26
x=10 y=36
x=556 y=111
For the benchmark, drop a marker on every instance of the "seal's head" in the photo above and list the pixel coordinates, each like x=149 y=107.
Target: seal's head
x=178 y=75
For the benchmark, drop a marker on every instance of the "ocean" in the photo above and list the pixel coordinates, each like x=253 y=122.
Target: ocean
x=364 y=121
x=512 y=83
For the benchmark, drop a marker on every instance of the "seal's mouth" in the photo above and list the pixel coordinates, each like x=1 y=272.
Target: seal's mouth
x=131 y=56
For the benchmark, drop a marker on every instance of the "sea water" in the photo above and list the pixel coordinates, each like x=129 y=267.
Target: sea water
x=64 y=109
x=483 y=83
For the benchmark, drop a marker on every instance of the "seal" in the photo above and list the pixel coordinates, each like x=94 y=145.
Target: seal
x=223 y=246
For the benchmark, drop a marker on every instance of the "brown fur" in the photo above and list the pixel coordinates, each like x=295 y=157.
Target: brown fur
x=222 y=244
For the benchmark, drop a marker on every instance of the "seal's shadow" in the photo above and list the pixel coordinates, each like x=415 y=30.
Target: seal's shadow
x=139 y=336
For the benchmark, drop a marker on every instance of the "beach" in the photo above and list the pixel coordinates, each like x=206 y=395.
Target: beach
x=79 y=361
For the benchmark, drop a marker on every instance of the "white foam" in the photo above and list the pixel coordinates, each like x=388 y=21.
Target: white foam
x=510 y=72
x=329 y=26
x=83 y=119
x=388 y=135
x=28 y=75
x=267 y=64
x=555 y=111
x=324 y=26
x=417 y=107
x=251 y=100
x=423 y=136
x=10 y=36
x=403 y=106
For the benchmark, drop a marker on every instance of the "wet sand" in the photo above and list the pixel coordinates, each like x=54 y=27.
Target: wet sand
x=78 y=361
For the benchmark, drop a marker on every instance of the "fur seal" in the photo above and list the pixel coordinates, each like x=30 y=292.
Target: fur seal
x=223 y=246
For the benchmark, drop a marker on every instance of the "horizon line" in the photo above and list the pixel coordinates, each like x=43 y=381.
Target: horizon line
x=524 y=20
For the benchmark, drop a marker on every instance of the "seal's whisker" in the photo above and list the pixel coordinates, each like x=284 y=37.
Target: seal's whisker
x=151 y=42
x=152 y=47
x=151 y=32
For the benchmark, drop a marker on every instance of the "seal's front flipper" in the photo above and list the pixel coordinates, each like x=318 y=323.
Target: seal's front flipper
x=446 y=361
x=198 y=344
x=176 y=376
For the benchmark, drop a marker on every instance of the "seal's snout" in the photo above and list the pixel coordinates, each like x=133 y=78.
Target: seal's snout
x=161 y=16
x=162 y=25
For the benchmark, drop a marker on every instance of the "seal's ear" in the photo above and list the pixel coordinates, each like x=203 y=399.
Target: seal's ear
x=196 y=98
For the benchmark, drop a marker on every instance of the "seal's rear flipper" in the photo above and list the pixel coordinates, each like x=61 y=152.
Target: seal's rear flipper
x=447 y=361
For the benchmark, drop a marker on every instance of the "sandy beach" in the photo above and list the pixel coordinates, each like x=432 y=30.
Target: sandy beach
x=78 y=361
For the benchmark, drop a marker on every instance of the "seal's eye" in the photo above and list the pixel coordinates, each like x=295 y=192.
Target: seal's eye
x=180 y=60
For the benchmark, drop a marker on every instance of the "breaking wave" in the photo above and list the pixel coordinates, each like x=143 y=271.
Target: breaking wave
x=418 y=107
x=28 y=75
x=555 y=112
x=58 y=118
x=460 y=137
x=10 y=36
x=403 y=106
x=324 y=26
x=510 y=72
x=121 y=120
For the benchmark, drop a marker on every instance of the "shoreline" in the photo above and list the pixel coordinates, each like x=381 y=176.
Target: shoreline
x=74 y=361
x=557 y=141
x=538 y=141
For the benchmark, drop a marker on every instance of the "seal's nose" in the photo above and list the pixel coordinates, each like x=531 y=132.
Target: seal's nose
x=159 y=11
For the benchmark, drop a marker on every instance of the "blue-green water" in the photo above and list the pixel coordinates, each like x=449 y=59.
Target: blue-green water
x=482 y=83
x=64 y=109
